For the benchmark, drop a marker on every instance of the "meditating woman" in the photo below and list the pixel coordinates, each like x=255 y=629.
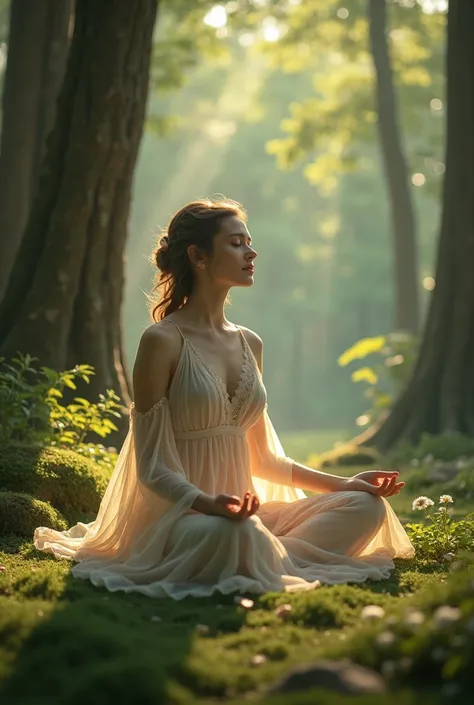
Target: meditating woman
x=203 y=498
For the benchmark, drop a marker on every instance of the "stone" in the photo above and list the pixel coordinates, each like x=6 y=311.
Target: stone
x=340 y=676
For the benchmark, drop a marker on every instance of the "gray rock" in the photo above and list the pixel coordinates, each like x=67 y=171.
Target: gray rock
x=442 y=473
x=340 y=676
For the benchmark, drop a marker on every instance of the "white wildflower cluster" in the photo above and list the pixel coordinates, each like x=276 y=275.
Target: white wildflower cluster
x=424 y=502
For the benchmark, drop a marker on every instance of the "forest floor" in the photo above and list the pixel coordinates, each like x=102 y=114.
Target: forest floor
x=65 y=642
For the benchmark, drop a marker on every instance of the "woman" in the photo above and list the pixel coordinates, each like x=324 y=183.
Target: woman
x=203 y=498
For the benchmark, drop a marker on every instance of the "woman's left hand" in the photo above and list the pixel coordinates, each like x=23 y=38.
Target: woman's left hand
x=379 y=482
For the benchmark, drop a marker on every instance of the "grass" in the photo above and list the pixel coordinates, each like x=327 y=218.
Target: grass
x=63 y=641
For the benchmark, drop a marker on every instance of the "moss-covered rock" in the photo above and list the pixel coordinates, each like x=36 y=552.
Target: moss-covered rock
x=70 y=482
x=20 y=514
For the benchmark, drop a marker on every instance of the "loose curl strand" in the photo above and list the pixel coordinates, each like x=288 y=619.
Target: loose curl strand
x=197 y=223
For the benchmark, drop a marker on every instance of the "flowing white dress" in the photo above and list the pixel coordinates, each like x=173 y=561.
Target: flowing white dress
x=146 y=538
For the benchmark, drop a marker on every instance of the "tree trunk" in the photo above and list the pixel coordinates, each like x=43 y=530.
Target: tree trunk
x=405 y=254
x=63 y=300
x=37 y=50
x=440 y=396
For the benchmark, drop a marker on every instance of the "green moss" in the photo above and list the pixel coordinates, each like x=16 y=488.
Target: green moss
x=70 y=482
x=20 y=514
x=125 y=649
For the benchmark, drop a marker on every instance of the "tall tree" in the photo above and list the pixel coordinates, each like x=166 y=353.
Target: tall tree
x=395 y=166
x=63 y=300
x=37 y=51
x=440 y=396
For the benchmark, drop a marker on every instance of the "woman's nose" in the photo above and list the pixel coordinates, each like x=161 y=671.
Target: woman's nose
x=252 y=254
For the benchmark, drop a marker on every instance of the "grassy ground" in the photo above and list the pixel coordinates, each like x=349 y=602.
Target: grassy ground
x=62 y=641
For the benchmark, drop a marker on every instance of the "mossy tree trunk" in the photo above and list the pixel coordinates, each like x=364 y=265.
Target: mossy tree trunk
x=37 y=51
x=405 y=250
x=440 y=396
x=64 y=297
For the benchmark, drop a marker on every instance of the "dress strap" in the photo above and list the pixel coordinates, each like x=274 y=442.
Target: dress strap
x=176 y=326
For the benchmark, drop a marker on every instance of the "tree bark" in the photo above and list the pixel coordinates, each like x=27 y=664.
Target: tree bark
x=37 y=51
x=440 y=396
x=405 y=253
x=64 y=297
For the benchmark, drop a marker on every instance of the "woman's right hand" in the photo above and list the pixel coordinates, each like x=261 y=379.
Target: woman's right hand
x=232 y=507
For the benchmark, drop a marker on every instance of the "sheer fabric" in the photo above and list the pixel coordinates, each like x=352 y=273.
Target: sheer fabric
x=146 y=538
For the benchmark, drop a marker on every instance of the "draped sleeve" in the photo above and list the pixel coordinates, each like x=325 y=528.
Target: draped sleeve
x=147 y=492
x=270 y=467
x=159 y=467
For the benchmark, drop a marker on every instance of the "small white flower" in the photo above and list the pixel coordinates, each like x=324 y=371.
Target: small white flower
x=202 y=629
x=422 y=503
x=446 y=616
x=385 y=639
x=372 y=612
x=283 y=611
x=446 y=499
x=414 y=619
x=244 y=602
x=258 y=659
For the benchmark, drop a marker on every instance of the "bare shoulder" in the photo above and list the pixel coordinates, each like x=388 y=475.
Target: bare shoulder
x=154 y=364
x=255 y=342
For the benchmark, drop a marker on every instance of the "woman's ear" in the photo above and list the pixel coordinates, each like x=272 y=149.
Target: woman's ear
x=195 y=257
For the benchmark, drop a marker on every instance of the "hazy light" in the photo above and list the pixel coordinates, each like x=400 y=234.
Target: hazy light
x=432 y=6
x=343 y=13
x=271 y=32
x=362 y=420
x=439 y=168
x=216 y=17
x=418 y=179
x=436 y=104
x=246 y=39
x=429 y=283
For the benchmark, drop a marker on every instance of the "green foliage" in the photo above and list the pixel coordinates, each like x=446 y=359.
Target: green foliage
x=21 y=513
x=31 y=410
x=331 y=126
x=443 y=538
x=74 y=485
x=395 y=356
x=445 y=447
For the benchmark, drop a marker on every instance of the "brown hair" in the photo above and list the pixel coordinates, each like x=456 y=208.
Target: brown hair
x=195 y=224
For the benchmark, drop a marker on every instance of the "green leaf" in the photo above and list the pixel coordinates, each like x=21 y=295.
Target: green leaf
x=361 y=349
x=365 y=374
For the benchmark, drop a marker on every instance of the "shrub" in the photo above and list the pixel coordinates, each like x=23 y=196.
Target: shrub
x=71 y=483
x=445 y=447
x=20 y=514
x=442 y=538
x=31 y=410
x=395 y=354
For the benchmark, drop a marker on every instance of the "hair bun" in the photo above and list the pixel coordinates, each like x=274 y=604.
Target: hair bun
x=162 y=255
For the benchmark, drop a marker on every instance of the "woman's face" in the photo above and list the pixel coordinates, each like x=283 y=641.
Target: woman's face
x=232 y=261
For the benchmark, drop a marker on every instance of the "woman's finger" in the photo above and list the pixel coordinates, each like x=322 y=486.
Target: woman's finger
x=245 y=506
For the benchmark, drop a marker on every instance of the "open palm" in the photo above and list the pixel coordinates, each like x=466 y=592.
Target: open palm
x=386 y=480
